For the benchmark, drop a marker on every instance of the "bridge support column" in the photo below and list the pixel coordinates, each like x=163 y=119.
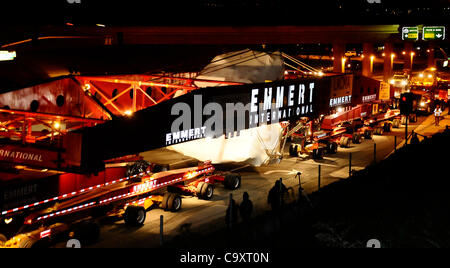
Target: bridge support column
x=367 y=61
x=339 y=58
x=388 y=61
x=409 y=56
x=430 y=55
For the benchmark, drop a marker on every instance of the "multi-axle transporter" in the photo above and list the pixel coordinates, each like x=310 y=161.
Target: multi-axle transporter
x=76 y=215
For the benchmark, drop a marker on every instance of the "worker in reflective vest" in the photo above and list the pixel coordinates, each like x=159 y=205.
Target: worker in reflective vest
x=437 y=114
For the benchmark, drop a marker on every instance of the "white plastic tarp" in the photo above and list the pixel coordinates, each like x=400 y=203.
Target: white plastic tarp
x=254 y=146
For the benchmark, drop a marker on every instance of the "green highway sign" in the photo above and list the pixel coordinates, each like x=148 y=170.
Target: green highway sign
x=433 y=33
x=410 y=33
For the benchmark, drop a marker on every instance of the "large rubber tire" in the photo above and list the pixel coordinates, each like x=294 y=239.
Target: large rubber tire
x=174 y=203
x=87 y=233
x=317 y=154
x=403 y=120
x=135 y=216
x=164 y=201
x=332 y=148
x=387 y=127
x=199 y=189
x=291 y=150
x=379 y=131
x=207 y=191
x=232 y=181
x=396 y=123
x=3 y=239
x=345 y=142
x=28 y=242
x=357 y=138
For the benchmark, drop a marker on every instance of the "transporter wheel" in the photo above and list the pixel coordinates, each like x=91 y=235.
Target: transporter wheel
x=293 y=150
x=345 y=142
x=207 y=191
x=174 y=203
x=379 y=131
x=232 y=181
x=318 y=154
x=135 y=216
x=397 y=123
x=403 y=120
x=199 y=188
x=368 y=134
x=388 y=127
x=3 y=239
x=164 y=201
x=87 y=233
x=357 y=138
x=332 y=148
x=28 y=242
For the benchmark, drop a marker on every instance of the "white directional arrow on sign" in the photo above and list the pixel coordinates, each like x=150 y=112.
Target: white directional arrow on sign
x=439 y=35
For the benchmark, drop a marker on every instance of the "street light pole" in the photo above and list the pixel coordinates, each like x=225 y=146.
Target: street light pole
x=371 y=63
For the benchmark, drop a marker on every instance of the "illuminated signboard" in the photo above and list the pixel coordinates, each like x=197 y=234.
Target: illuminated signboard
x=410 y=33
x=369 y=98
x=340 y=101
x=6 y=55
x=385 y=91
x=433 y=33
x=250 y=106
x=29 y=156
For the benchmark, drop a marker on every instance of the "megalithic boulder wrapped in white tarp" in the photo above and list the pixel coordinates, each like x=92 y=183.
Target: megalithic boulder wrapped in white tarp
x=254 y=146
x=245 y=66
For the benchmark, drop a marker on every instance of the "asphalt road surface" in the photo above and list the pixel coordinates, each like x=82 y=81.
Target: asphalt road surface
x=199 y=216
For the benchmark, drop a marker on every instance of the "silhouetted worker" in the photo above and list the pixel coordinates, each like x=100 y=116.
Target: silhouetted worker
x=415 y=139
x=231 y=217
x=301 y=198
x=246 y=208
x=437 y=114
x=276 y=196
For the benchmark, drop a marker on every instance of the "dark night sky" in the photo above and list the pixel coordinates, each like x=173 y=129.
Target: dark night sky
x=223 y=12
x=21 y=20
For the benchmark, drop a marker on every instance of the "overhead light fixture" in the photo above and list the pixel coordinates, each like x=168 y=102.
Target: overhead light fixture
x=101 y=25
x=7 y=55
